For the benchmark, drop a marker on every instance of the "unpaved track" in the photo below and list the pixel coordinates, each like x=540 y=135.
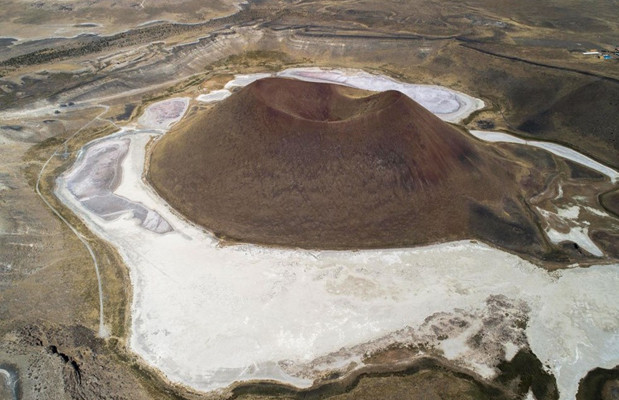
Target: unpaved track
x=103 y=332
x=538 y=64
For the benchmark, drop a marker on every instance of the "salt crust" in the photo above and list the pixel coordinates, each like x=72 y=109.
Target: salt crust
x=207 y=316
x=554 y=148
x=447 y=104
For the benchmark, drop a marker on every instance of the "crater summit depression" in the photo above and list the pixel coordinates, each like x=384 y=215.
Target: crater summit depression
x=318 y=165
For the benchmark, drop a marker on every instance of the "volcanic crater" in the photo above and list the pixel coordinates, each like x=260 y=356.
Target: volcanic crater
x=316 y=165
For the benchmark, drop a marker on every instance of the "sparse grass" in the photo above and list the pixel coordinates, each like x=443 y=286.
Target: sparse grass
x=415 y=380
x=117 y=288
x=260 y=60
x=454 y=67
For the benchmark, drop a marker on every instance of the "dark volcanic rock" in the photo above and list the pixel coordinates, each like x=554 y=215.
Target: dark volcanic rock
x=317 y=165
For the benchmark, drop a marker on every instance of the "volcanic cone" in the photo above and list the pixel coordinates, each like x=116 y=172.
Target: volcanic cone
x=314 y=165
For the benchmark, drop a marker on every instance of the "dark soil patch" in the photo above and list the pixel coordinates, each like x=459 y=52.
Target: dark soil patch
x=525 y=371
x=368 y=385
x=599 y=384
x=578 y=171
x=610 y=201
x=588 y=112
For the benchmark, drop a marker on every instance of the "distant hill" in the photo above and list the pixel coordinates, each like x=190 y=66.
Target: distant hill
x=314 y=165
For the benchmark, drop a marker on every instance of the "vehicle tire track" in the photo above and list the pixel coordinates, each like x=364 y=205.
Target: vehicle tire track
x=537 y=64
x=103 y=332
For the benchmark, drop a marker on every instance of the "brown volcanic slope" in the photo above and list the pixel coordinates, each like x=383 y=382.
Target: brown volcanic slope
x=314 y=165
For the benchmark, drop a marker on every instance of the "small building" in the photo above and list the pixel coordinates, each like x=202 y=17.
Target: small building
x=607 y=56
x=592 y=53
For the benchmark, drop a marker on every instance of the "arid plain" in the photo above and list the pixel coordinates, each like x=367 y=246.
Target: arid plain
x=453 y=320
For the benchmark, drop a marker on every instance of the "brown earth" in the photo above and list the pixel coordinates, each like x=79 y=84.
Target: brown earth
x=610 y=201
x=314 y=165
x=524 y=59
